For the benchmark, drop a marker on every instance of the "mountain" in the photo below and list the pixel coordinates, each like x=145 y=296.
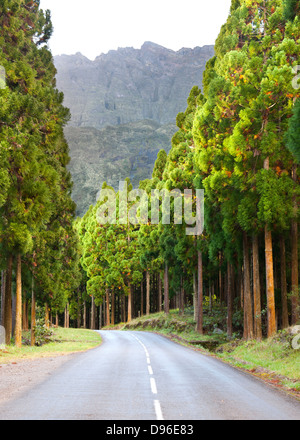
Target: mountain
x=124 y=106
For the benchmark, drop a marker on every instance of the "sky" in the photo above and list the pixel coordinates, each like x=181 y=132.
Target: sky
x=93 y=27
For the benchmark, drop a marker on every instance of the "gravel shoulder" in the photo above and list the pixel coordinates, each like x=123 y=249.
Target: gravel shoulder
x=18 y=377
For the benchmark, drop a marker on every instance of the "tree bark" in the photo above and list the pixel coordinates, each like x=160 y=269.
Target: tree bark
x=33 y=314
x=47 y=321
x=78 y=309
x=166 y=290
x=129 y=306
x=284 y=302
x=84 y=314
x=113 y=307
x=18 y=328
x=159 y=293
x=142 y=296
x=229 y=299
x=295 y=269
x=181 y=297
x=8 y=299
x=147 y=292
x=270 y=292
x=199 y=326
x=195 y=297
x=3 y=279
x=248 y=319
x=107 y=307
x=25 y=316
x=270 y=283
x=93 y=314
x=256 y=289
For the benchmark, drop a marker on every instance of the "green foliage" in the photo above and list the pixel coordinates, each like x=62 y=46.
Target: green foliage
x=291 y=9
x=36 y=210
x=231 y=142
x=42 y=333
x=293 y=134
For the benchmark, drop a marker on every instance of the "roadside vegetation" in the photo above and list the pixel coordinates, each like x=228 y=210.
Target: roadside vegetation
x=59 y=341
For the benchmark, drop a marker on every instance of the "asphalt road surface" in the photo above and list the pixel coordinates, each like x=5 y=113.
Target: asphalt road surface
x=143 y=376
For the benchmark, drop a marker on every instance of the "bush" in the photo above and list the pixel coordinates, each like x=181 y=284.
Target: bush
x=42 y=333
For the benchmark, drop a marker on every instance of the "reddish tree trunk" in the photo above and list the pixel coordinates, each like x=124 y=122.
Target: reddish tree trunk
x=147 y=293
x=18 y=328
x=8 y=305
x=33 y=314
x=270 y=283
x=199 y=326
x=166 y=290
x=284 y=303
x=256 y=290
x=248 y=317
x=229 y=299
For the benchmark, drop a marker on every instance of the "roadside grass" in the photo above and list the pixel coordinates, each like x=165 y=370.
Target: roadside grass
x=63 y=341
x=273 y=360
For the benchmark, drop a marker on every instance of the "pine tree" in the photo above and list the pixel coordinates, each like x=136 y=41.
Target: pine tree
x=32 y=121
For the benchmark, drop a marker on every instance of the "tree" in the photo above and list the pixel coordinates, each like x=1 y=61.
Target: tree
x=32 y=144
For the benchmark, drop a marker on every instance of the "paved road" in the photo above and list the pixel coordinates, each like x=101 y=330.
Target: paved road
x=143 y=376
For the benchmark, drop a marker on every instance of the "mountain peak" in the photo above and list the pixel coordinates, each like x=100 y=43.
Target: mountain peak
x=151 y=45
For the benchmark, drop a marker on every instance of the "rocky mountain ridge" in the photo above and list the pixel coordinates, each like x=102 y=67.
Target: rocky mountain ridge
x=120 y=92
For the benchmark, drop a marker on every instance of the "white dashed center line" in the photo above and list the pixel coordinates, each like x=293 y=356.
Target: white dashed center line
x=157 y=406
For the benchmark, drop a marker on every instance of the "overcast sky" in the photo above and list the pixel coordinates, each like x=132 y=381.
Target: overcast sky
x=93 y=27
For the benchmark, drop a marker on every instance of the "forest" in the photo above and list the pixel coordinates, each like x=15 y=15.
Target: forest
x=238 y=141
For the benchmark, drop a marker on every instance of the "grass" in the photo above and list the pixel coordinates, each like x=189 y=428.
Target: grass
x=63 y=341
x=180 y=327
x=272 y=359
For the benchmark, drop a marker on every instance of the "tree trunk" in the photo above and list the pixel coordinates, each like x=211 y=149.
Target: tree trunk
x=3 y=279
x=67 y=316
x=166 y=290
x=248 y=319
x=270 y=292
x=195 y=297
x=18 y=328
x=270 y=283
x=8 y=299
x=129 y=305
x=142 y=296
x=25 y=316
x=256 y=289
x=181 y=294
x=100 y=316
x=159 y=293
x=93 y=314
x=47 y=321
x=113 y=307
x=199 y=326
x=229 y=299
x=84 y=314
x=295 y=269
x=295 y=273
x=147 y=292
x=33 y=314
x=107 y=307
x=123 y=309
x=284 y=302
x=78 y=309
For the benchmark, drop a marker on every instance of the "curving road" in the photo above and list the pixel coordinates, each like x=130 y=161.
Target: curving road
x=143 y=376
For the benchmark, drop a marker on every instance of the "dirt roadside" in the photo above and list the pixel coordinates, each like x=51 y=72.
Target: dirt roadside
x=17 y=377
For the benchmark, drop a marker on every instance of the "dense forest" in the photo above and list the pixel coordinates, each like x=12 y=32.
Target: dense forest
x=238 y=141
